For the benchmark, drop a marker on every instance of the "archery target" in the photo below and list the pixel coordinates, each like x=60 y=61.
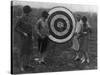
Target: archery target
x=61 y=24
x=59 y=28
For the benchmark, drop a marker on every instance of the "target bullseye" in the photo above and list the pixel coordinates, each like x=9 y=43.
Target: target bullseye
x=60 y=25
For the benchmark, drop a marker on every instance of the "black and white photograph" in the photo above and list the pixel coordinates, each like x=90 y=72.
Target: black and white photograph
x=53 y=37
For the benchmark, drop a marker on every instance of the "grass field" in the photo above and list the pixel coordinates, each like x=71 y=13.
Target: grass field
x=60 y=56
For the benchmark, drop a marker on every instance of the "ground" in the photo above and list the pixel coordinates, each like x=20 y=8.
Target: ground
x=60 y=56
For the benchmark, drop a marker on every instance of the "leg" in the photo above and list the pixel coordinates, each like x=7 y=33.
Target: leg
x=44 y=48
x=82 y=58
x=42 y=44
x=84 y=50
x=77 y=57
x=79 y=50
x=26 y=52
x=39 y=40
x=39 y=43
x=76 y=47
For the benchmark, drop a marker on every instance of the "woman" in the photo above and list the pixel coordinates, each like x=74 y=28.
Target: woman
x=80 y=40
x=85 y=32
x=43 y=32
x=24 y=28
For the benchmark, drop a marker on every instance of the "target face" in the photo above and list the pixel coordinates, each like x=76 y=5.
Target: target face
x=61 y=24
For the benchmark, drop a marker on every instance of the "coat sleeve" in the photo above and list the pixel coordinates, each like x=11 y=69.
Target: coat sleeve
x=37 y=25
x=18 y=27
x=78 y=27
x=88 y=25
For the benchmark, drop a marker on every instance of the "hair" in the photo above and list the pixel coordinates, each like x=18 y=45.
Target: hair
x=27 y=9
x=78 y=17
x=44 y=14
x=84 y=18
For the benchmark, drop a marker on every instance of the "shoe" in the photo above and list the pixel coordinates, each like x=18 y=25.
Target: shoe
x=36 y=59
x=76 y=58
x=83 y=59
x=22 y=69
x=43 y=62
x=88 y=60
x=40 y=60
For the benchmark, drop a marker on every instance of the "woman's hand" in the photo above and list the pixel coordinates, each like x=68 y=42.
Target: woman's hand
x=25 y=34
x=75 y=34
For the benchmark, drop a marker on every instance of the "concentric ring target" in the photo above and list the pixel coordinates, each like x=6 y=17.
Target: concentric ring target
x=59 y=28
x=61 y=24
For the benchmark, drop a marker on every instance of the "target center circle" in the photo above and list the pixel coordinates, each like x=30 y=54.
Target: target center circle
x=60 y=25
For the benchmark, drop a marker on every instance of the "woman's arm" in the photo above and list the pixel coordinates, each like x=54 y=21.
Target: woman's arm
x=89 y=27
x=19 y=29
x=37 y=27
